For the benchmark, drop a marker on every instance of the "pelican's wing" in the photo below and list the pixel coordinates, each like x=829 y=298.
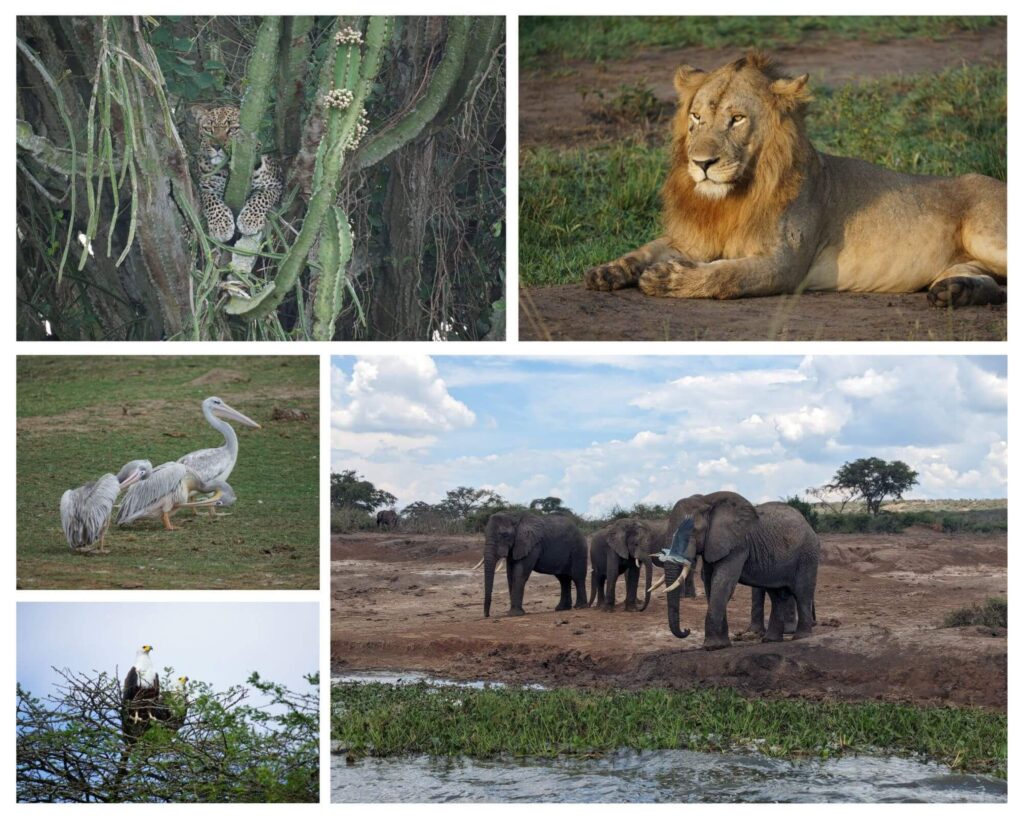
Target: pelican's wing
x=141 y=497
x=206 y=463
x=84 y=512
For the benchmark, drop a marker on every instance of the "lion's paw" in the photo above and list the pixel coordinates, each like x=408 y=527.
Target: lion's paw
x=963 y=291
x=611 y=276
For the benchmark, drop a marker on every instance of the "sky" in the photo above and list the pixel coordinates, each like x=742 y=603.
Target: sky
x=617 y=430
x=221 y=644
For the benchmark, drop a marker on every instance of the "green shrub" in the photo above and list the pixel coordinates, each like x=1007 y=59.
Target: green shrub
x=992 y=614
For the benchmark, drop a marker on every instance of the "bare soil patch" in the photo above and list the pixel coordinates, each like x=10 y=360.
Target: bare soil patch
x=556 y=102
x=570 y=312
x=413 y=602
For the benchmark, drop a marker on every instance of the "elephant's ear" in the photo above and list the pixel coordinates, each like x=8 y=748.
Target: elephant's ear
x=727 y=522
x=528 y=535
x=617 y=540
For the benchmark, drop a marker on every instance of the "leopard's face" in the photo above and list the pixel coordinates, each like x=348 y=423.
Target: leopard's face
x=217 y=126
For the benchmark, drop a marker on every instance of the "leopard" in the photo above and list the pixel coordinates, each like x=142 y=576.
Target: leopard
x=217 y=127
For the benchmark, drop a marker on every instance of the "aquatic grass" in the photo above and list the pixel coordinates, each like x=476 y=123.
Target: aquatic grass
x=584 y=206
x=382 y=719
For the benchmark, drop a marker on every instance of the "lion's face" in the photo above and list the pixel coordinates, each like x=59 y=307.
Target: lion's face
x=727 y=112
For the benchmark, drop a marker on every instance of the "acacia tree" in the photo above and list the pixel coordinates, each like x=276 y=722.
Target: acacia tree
x=392 y=222
x=354 y=491
x=70 y=746
x=873 y=480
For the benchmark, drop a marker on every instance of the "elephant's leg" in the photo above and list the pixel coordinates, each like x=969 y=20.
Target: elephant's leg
x=517 y=575
x=565 y=601
x=777 y=620
x=756 y=626
x=806 y=582
x=789 y=615
x=632 y=581
x=579 y=579
x=724 y=577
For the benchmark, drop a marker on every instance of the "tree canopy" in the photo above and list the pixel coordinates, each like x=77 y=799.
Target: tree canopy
x=873 y=480
x=70 y=746
x=355 y=492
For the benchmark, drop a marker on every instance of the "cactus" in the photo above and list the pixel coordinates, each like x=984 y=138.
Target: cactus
x=335 y=251
x=354 y=72
x=469 y=47
x=259 y=76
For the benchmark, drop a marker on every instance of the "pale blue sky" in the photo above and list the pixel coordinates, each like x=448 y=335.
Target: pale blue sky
x=218 y=643
x=601 y=431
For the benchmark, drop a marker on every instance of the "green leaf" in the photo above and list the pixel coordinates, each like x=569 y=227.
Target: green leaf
x=183 y=44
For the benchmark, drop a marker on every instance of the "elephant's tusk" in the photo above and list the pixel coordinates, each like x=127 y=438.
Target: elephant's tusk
x=657 y=585
x=679 y=580
x=478 y=565
x=497 y=566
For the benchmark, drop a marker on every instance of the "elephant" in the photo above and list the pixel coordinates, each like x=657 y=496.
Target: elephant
x=621 y=547
x=549 y=544
x=771 y=547
x=387 y=518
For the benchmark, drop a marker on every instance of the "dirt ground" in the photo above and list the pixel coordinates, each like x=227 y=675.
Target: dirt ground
x=413 y=602
x=557 y=105
x=556 y=101
x=570 y=312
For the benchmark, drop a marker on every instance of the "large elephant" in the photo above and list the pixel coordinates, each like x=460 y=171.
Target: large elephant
x=387 y=518
x=771 y=547
x=621 y=547
x=549 y=544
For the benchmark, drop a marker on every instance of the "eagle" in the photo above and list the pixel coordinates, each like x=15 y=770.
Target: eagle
x=173 y=708
x=140 y=695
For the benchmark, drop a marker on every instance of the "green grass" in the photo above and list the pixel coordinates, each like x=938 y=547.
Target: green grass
x=79 y=418
x=584 y=206
x=550 y=39
x=975 y=520
x=992 y=614
x=387 y=720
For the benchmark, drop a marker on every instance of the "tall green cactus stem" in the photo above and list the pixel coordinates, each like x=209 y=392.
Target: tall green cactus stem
x=295 y=49
x=260 y=75
x=341 y=126
x=484 y=40
x=335 y=252
x=412 y=124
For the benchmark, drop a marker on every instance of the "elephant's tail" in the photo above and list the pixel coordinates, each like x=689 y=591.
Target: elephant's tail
x=593 y=588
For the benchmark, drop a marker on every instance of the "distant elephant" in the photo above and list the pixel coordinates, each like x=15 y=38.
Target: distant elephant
x=387 y=518
x=549 y=544
x=621 y=547
x=771 y=547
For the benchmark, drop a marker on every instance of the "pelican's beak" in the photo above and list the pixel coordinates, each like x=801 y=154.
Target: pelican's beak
x=210 y=501
x=135 y=477
x=234 y=415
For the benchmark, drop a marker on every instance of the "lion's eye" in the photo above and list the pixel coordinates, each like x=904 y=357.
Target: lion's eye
x=737 y=119
x=694 y=118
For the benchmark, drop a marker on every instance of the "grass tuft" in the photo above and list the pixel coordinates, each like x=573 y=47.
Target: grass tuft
x=991 y=614
x=381 y=719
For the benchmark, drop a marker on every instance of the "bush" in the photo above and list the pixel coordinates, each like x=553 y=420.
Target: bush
x=992 y=614
x=350 y=519
x=805 y=509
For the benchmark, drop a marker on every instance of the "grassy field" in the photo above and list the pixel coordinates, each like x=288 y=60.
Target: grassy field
x=583 y=206
x=79 y=418
x=387 y=720
x=604 y=38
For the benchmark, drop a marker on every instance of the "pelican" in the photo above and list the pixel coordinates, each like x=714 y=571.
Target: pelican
x=168 y=489
x=85 y=512
x=216 y=464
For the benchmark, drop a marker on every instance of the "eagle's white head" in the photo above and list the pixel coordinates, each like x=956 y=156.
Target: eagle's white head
x=144 y=666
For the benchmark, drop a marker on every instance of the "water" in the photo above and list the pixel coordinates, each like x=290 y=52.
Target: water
x=413 y=677
x=656 y=776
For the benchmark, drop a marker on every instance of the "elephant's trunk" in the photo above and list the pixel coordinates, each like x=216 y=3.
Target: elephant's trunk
x=672 y=571
x=490 y=558
x=648 y=568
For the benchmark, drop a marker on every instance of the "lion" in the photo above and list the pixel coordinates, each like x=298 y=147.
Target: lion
x=750 y=208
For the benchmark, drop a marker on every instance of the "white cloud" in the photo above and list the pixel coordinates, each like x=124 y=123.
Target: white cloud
x=809 y=421
x=869 y=385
